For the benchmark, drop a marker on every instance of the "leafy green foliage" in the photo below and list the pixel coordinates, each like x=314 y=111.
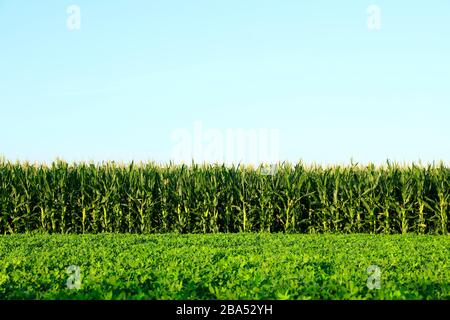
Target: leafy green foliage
x=224 y=266
x=151 y=198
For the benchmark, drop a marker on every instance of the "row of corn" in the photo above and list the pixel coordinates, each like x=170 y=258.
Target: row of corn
x=153 y=198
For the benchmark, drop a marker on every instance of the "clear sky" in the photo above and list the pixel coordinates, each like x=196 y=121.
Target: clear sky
x=136 y=71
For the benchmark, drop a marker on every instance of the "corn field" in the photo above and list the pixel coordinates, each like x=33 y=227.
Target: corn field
x=151 y=198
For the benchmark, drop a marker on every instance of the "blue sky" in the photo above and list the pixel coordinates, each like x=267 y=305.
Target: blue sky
x=137 y=70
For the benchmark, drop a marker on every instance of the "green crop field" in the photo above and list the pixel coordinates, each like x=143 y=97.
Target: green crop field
x=225 y=266
x=149 y=231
